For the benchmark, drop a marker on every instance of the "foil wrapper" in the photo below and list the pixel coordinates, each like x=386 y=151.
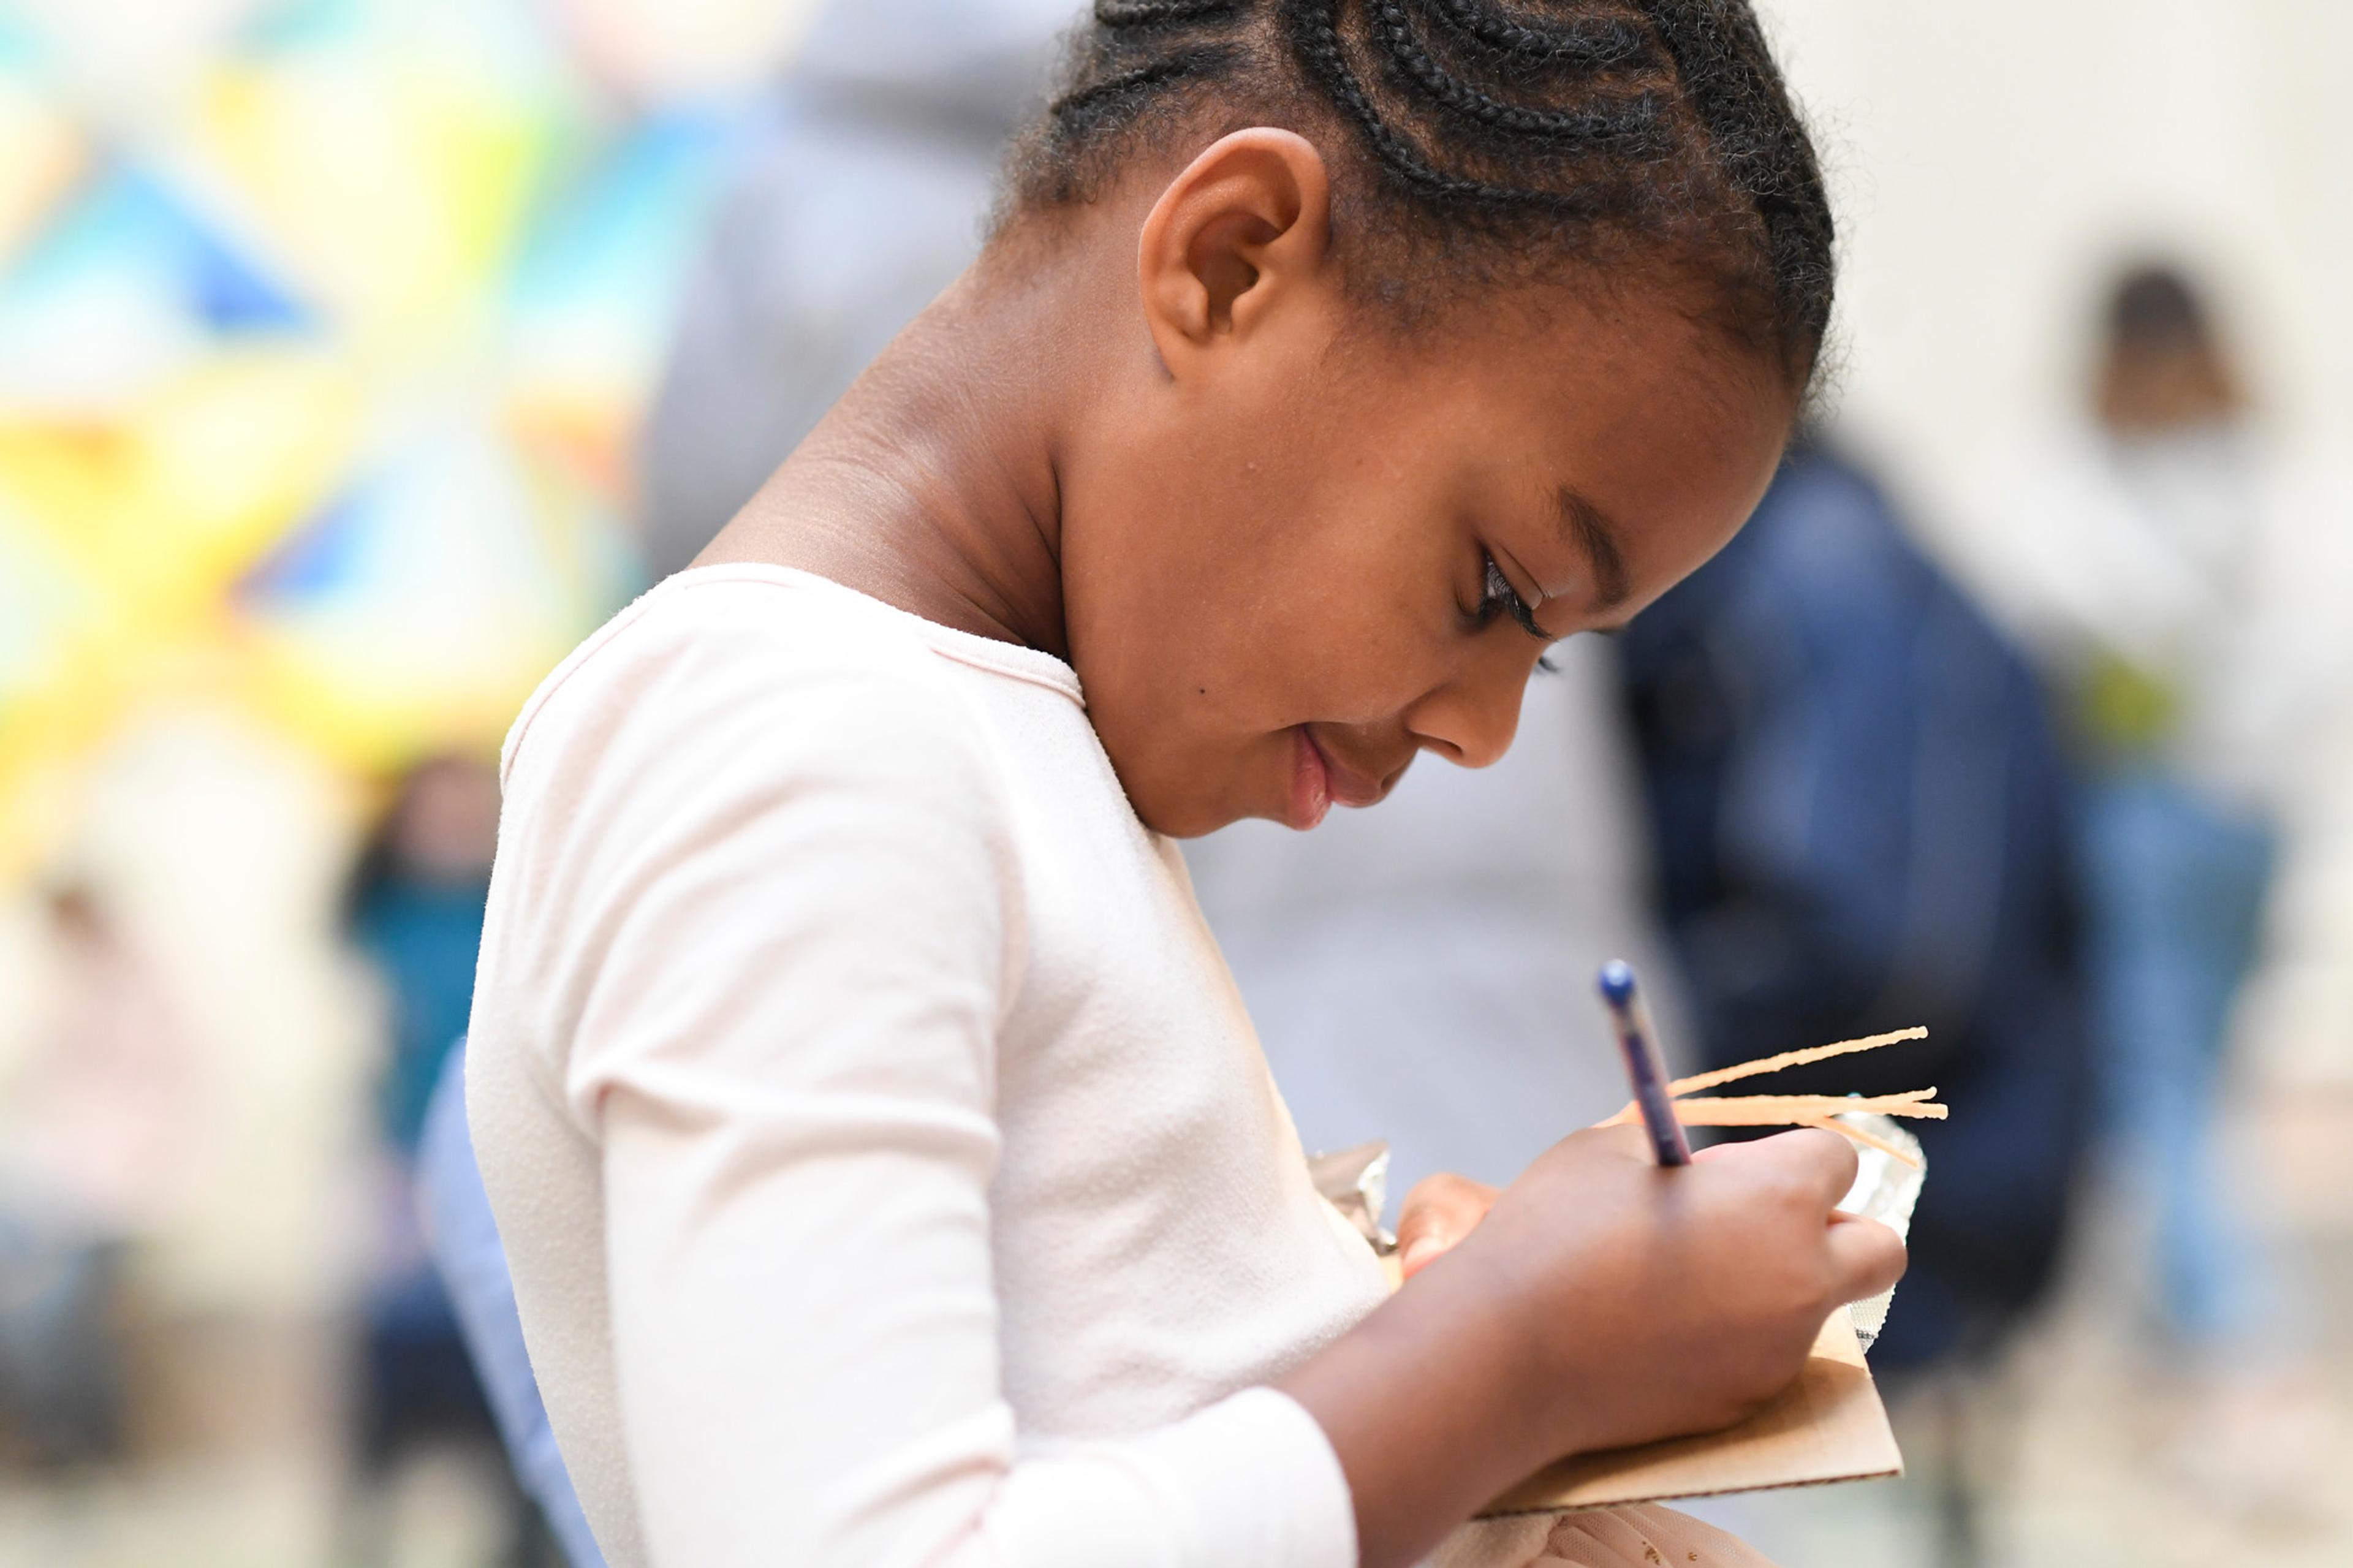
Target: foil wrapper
x=1356 y=1182
x=1885 y=1189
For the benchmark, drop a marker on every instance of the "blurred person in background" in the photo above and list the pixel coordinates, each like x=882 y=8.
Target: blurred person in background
x=94 y=1140
x=1858 y=814
x=413 y=911
x=864 y=200
x=2141 y=584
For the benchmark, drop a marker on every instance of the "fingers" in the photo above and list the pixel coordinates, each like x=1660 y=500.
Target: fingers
x=1824 y=1161
x=1866 y=1258
x=1438 y=1213
x=1817 y=1169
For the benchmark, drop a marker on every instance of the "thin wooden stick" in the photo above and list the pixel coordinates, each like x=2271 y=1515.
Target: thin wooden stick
x=1774 y=1109
x=1766 y=1110
x=1830 y=1124
x=1819 y=1111
x=1791 y=1059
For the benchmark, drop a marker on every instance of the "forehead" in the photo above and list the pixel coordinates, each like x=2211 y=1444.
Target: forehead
x=1624 y=390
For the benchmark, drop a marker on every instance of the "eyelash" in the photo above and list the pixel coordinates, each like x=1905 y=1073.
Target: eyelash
x=1498 y=598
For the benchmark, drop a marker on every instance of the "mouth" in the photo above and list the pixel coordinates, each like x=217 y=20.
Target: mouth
x=1311 y=781
x=1318 y=783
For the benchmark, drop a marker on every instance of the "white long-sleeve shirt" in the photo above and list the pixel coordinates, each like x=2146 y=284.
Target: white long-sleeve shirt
x=888 y=1168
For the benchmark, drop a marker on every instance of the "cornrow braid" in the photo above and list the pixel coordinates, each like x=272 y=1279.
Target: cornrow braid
x=1113 y=91
x=1596 y=43
x=1633 y=120
x=1157 y=13
x=1760 y=143
x=1503 y=137
x=1315 y=35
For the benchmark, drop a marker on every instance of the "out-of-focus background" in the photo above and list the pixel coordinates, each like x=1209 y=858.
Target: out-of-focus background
x=359 y=356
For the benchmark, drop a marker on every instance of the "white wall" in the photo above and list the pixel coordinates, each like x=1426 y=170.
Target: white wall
x=1992 y=160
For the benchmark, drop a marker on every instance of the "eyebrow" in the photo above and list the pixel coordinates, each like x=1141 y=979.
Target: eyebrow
x=1592 y=530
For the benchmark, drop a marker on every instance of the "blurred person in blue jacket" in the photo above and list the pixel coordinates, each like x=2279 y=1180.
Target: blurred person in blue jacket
x=414 y=910
x=1859 y=822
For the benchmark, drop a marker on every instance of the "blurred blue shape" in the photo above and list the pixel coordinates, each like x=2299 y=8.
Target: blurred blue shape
x=128 y=237
x=322 y=554
x=2175 y=887
x=20 y=47
x=441 y=539
x=464 y=1241
x=619 y=238
x=298 y=23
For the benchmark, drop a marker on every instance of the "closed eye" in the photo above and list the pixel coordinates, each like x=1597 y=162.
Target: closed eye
x=1498 y=598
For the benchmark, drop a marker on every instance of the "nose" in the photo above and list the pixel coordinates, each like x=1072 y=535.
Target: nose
x=1470 y=720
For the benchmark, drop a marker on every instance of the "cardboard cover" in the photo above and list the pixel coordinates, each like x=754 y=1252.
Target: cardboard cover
x=1829 y=1425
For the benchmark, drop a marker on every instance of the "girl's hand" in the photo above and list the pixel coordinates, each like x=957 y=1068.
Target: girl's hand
x=1670 y=1300
x=1598 y=1301
x=1440 y=1211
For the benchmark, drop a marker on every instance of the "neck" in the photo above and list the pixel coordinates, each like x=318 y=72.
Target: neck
x=932 y=486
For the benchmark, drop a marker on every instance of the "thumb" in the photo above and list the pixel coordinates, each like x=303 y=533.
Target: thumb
x=1866 y=1258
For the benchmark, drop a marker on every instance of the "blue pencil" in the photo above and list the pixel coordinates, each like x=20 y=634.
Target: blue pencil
x=1642 y=1068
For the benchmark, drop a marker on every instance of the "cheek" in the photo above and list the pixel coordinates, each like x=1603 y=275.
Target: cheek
x=1243 y=576
x=1376 y=599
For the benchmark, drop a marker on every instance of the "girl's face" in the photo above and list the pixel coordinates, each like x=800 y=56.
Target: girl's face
x=1307 y=552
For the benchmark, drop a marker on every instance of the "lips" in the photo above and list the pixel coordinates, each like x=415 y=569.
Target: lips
x=1311 y=781
x=1321 y=781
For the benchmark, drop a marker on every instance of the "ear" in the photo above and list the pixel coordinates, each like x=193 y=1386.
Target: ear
x=1247 y=227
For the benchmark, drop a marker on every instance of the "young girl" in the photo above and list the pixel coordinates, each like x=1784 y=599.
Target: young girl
x=888 y=1170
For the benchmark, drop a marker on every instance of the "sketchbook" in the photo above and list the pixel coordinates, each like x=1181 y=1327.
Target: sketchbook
x=1829 y=1425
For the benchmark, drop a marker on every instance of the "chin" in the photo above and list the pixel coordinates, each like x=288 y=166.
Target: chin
x=1191 y=819
x=1170 y=808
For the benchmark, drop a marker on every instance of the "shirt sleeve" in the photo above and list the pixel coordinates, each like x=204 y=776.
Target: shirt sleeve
x=792 y=923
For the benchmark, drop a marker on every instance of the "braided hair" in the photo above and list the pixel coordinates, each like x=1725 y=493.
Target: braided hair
x=1499 y=137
